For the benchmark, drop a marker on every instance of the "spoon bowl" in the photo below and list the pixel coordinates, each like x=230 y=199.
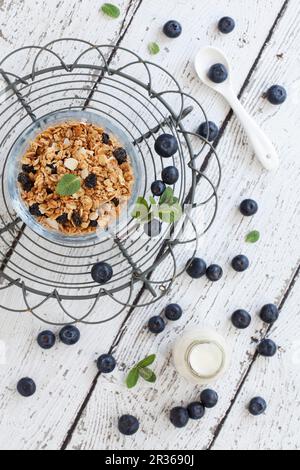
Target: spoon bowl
x=205 y=59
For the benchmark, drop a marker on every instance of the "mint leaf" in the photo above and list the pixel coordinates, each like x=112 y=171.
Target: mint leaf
x=154 y=48
x=141 y=209
x=148 y=375
x=167 y=197
x=68 y=185
x=146 y=362
x=253 y=237
x=132 y=378
x=111 y=10
x=170 y=213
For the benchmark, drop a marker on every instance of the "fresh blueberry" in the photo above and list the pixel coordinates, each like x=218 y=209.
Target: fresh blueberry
x=269 y=314
x=209 y=398
x=277 y=95
x=156 y=325
x=46 y=339
x=170 y=175
x=102 y=273
x=241 y=319
x=105 y=138
x=28 y=169
x=249 y=207
x=158 y=188
x=62 y=219
x=91 y=181
x=120 y=155
x=106 y=363
x=226 y=25
x=128 y=425
x=153 y=228
x=257 y=406
x=166 y=145
x=209 y=131
x=214 y=273
x=179 y=417
x=196 y=410
x=218 y=73
x=196 y=268
x=76 y=218
x=240 y=263
x=173 y=312
x=69 y=335
x=173 y=29
x=35 y=210
x=25 y=182
x=267 y=348
x=26 y=387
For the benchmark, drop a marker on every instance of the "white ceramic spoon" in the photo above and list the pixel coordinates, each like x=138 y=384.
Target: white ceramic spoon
x=263 y=147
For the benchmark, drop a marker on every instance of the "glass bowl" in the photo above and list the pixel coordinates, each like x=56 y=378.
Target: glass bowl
x=14 y=166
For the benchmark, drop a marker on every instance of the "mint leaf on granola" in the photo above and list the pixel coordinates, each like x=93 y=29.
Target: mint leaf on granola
x=68 y=185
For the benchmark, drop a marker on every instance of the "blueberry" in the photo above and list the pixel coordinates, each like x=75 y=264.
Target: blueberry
x=257 y=406
x=153 y=228
x=128 y=425
x=62 y=219
x=179 y=417
x=173 y=312
x=173 y=29
x=277 y=95
x=166 y=145
x=25 y=182
x=120 y=155
x=28 y=169
x=76 y=218
x=156 y=325
x=269 y=314
x=26 y=387
x=240 y=263
x=93 y=223
x=196 y=410
x=241 y=319
x=218 y=73
x=91 y=181
x=249 y=207
x=35 y=210
x=209 y=131
x=226 y=25
x=102 y=273
x=158 y=188
x=196 y=268
x=267 y=348
x=69 y=335
x=106 y=363
x=209 y=398
x=105 y=138
x=170 y=175
x=46 y=339
x=214 y=273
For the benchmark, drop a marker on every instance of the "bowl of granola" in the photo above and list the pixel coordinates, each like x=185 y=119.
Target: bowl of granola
x=72 y=174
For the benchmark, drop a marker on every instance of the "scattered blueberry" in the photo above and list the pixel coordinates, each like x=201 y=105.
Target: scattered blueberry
x=173 y=29
x=76 y=218
x=209 y=398
x=218 y=73
x=209 y=131
x=105 y=139
x=102 y=273
x=173 y=312
x=257 y=406
x=277 y=95
x=214 y=273
x=69 y=335
x=196 y=268
x=25 y=182
x=226 y=25
x=156 y=325
x=170 y=175
x=158 y=188
x=249 y=207
x=240 y=263
x=166 y=145
x=35 y=210
x=120 y=155
x=28 y=169
x=153 y=228
x=267 y=348
x=241 y=319
x=91 y=181
x=26 y=387
x=62 y=219
x=46 y=339
x=196 y=410
x=269 y=314
x=179 y=417
x=128 y=425
x=106 y=363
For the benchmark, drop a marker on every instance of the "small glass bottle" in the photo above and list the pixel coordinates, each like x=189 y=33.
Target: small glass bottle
x=201 y=356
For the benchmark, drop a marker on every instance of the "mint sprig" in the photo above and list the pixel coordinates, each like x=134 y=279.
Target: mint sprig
x=253 y=237
x=168 y=209
x=153 y=48
x=111 y=10
x=68 y=185
x=141 y=370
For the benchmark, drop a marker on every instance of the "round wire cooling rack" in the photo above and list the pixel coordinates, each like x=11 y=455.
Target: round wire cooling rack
x=143 y=100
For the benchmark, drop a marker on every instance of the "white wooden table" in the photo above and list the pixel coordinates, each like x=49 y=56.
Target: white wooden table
x=74 y=408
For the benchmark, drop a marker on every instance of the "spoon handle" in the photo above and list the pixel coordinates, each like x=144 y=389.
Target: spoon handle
x=263 y=147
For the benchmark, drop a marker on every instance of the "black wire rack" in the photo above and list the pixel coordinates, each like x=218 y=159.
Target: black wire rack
x=141 y=98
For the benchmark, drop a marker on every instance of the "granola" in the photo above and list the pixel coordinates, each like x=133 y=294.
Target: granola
x=86 y=151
